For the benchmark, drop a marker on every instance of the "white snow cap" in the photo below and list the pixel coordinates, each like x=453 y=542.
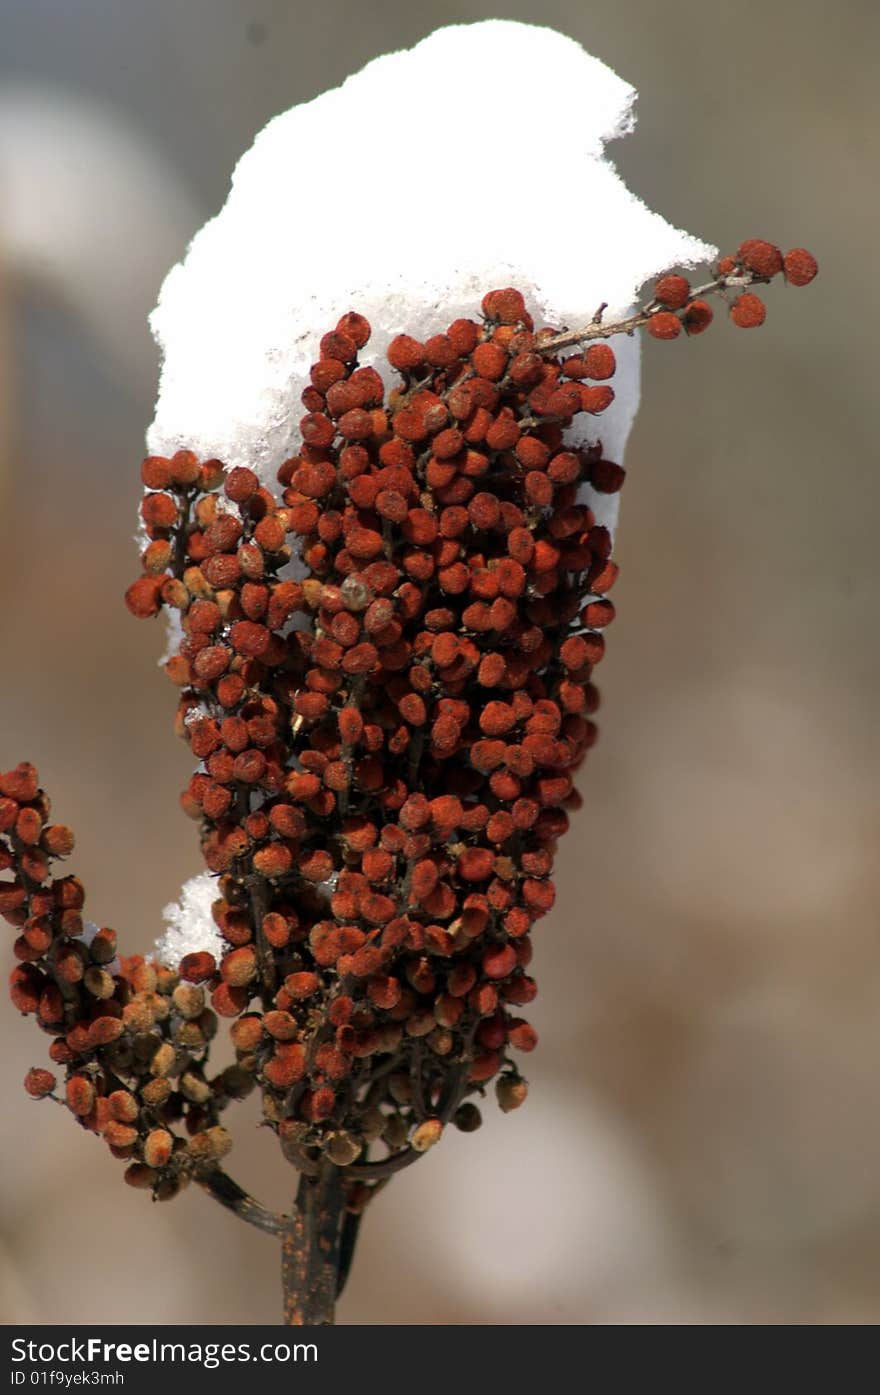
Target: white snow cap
x=407 y=193
x=190 y=925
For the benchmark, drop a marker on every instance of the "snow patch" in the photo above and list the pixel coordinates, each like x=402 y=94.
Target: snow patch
x=379 y=196
x=190 y=926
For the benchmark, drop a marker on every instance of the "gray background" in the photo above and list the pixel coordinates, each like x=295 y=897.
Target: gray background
x=701 y=1142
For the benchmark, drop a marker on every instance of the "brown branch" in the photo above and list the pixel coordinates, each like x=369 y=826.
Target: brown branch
x=67 y=990
x=313 y=1266
x=259 y=898
x=218 y=1185
x=372 y=1172
x=351 y=1225
x=180 y=534
x=415 y=1075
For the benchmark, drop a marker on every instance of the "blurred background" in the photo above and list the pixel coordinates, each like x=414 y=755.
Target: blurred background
x=701 y=1142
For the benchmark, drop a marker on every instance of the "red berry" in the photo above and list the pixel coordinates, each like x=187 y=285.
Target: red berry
x=664 y=325
x=405 y=353
x=507 y=306
x=800 y=266
x=599 y=361
x=748 y=311
x=761 y=257
x=39 y=1083
x=672 y=291
x=698 y=316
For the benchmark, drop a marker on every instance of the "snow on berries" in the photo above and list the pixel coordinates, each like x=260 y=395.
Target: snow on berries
x=387 y=735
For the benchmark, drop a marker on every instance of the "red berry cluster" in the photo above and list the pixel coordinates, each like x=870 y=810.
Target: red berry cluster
x=122 y=1030
x=674 y=307
x=386 y=749
x=381 y=790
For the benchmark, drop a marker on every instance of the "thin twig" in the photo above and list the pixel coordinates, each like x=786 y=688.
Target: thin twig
x=597 y=330
x=415 y=1076
x=371 y=1172
x=258 y=893
x=218 y=1185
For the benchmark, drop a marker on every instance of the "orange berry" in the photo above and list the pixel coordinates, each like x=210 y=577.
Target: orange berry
x=158 y=1146
x=698 y=316
x=143 y=596
x=80 y=1093
x=761 y=257
x=506 y=306
x=664 y=325
x=672 y=291
x=800 y=266
x=599 y=361
x=39 y=1083
x=405 y=353
x=748 y=311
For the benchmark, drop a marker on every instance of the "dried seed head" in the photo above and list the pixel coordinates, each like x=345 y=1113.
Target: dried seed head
x=98 y=982
x=672 y=291
x=163 y=1060
x=39 y=1083
x=599 y=361
x=158 y=1147
x=426 y=1135
x=748 y=311
x=761 y=257
x=167 y=1188
x=189 y=1000
x=139 y=1176
x=80 y=1093
x=467 y=1117
x=664 y=325
x=698 y=316
x=800 y=266
x=121 y=1137
x=342 y=1148
x=210 y=1146
x=239 y=966
x=123 y=1106
x=506 y=306
x=156 y=1092
x=511 y=1092
x=194 y=1088
x=198 y=967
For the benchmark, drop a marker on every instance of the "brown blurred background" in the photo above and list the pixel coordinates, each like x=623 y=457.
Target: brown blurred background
x=702 y=1140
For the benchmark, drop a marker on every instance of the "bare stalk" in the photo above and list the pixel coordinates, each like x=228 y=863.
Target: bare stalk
x=316 y=1250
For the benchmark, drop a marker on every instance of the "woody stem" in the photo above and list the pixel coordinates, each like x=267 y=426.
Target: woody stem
x=222 y=1188
x=316 y=1249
